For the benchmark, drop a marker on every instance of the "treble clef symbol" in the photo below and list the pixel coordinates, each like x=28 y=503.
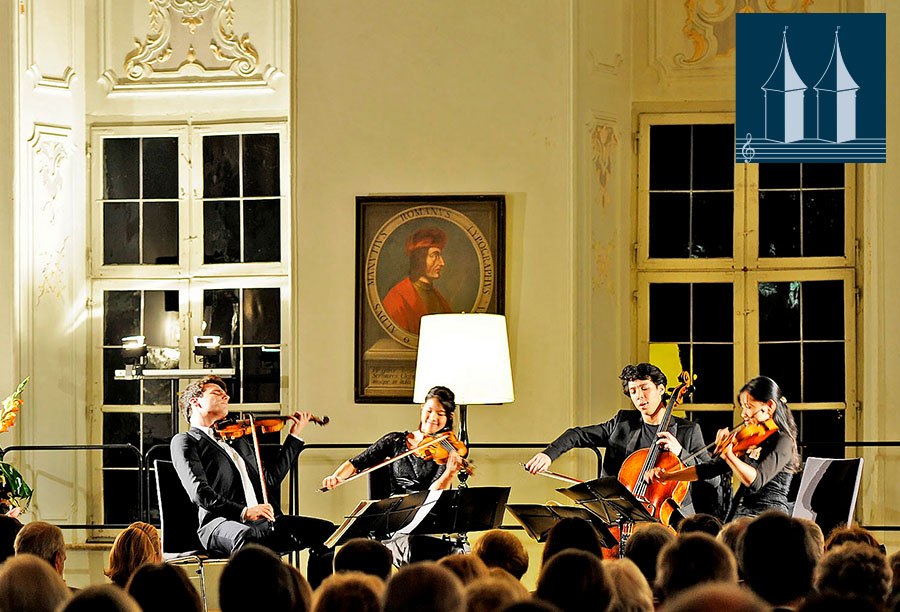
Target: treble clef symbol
x=747 y=151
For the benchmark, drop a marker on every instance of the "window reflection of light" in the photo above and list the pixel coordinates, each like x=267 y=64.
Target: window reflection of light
x=173 y=330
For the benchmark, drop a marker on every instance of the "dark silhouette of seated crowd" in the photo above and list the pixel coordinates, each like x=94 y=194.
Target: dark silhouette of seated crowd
x=770 y=562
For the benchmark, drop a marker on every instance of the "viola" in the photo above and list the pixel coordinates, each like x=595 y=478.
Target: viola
x=439 y=451
x=232 y=429
x=745 y=437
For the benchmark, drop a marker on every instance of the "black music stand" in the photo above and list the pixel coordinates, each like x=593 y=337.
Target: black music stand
x=427 y=512
x=612 y=502
x=538 y=519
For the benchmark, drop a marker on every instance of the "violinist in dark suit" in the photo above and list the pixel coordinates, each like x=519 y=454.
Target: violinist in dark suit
x=632 y=430
x=222 y=479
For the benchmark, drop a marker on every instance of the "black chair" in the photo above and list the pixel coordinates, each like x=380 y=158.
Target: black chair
x=180 y=544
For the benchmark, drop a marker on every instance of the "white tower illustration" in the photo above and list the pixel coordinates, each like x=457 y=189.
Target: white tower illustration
x=836 y=99
x=783 y=92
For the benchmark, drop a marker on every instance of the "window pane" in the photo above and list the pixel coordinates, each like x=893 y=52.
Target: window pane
x=262 y=375
x=779 y=224
x=823 y=175
x=779 y=176
x=670 y=312
x=262 y=230
x=121 y=428
x=261 y=165
x=823 y=223
x=823 y=310
x=779 y=311
x=120 y=501
x=160 y=233
x=712 y=227
x=159 y=392
x=670 y=157
x=781 y=362
x=823 y=372
x=221 y=232
x=121 y=169
x=714 y=368
x=121 y=315
x=713 y=305
x=712 y=421
x=221 y=311
x=669 y=224
x=221 y=169
x=161 y=318
x=262 y=316
x=157 y=430
x=817 y=426
x=117 y=392
x=713 y=156
x=160 y=169
x=121 y=233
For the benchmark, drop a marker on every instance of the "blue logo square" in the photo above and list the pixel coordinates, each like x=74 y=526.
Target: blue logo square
x=810 y=88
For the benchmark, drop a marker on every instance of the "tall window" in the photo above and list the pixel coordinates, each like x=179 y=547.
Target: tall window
x=746 y=269
x=189 y=237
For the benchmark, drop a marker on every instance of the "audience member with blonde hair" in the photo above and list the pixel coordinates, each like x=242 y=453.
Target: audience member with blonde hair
x=136 y=545
x=467 y=567
x=501 y=548
x=29 y=584
x=631 y=591
x=494 y=592
x=424 y=586
x=45 y=541
x=349 y=592
x=717 y=596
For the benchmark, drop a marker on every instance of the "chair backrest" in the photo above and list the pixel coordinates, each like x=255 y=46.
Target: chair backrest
x=828 y=491
x=179 y=532
x=379 y=484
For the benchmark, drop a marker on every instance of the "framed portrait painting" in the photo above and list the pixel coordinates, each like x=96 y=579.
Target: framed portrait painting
x=418 y=255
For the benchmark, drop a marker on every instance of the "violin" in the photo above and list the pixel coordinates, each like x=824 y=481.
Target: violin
x=746 y=436
x=232 y=429
x=438 y=452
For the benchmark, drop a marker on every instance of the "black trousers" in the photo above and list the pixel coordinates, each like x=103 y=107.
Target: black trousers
x=289 y=533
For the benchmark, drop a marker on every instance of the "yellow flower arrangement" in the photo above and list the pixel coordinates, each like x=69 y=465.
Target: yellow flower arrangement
x=14 y=491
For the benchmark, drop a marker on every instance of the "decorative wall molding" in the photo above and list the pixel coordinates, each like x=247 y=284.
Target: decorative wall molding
x=188 y=44
x=50 y=32
x=51 y=148
x=604 y=142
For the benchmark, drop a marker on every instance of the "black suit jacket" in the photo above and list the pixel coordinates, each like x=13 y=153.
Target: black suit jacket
x=621 y=436
x=213 y=482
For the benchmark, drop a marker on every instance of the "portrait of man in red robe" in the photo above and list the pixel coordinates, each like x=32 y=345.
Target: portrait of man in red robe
x=415 y=295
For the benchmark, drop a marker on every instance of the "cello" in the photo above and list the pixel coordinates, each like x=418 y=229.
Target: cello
x=661 y=499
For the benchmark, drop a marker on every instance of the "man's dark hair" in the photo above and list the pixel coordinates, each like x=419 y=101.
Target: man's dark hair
x=195 y=390
x=843 y=534
x=704 y=523
x=9 y=529
x=161 y=586
x=366 y=556
x=275 y=586
x=857 y=570
x=783 y=577
x=572 y=578
x=692 y=559
x=575 y=533
x=643 y=548
x=500 y=548
x=641 y=371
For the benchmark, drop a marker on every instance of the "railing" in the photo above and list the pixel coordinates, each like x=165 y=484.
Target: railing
x=144 y=462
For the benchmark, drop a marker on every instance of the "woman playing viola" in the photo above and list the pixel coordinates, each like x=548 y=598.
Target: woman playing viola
x=765 y=471
x=412 y=473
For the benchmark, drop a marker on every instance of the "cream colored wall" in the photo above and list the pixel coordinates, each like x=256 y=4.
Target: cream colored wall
x=411 y=98
x=7 y=187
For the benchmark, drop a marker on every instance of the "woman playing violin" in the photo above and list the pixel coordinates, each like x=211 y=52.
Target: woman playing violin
x=411 y=473
x=764 y=471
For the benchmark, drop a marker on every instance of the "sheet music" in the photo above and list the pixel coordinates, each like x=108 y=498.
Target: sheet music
x=348 y=522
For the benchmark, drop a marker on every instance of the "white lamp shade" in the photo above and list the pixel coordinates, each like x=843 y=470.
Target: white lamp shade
x=469 y=353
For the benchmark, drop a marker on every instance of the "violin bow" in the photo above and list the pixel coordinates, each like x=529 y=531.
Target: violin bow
x=437 y=440
x=262 y=478
x=557 y=476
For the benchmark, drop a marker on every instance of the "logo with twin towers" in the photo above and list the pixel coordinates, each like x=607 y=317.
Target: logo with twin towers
x=810 y=88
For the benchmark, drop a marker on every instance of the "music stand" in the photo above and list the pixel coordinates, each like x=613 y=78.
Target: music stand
x=612 y=502
x=538 y=519
x=427 y=512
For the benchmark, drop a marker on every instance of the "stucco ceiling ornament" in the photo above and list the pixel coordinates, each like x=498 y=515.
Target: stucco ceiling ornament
x=709 y=26
x=239 y=54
